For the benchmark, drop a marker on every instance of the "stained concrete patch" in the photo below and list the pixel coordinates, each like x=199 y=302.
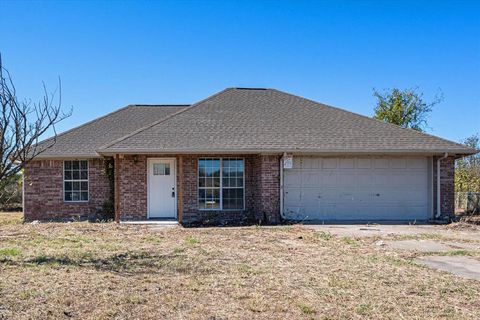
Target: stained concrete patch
x=464 y=245
x=461 y=266
x=418 y=245
x=430 y=245
x=388 y=230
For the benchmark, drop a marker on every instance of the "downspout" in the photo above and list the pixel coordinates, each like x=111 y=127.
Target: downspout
x=439 y=203
x=117 y=188
x=281 y=185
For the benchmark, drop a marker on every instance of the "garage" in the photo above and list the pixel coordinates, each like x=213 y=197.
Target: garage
x=358 y=189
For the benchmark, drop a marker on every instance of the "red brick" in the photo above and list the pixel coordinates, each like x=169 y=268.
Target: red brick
x=447 y=186
x=261 y=190
x=43 y=191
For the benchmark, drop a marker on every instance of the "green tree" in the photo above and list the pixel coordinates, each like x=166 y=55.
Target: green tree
x=405 y=108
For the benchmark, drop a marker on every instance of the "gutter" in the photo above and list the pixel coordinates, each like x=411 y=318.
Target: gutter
x=439 y=206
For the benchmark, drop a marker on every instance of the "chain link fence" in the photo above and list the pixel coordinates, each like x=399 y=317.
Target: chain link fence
x=467 y=202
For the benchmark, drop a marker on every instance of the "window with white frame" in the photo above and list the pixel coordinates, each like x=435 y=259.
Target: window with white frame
x=221 y=184
x=75 y=180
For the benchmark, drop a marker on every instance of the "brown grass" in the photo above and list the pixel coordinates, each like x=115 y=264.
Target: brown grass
x=104 y=271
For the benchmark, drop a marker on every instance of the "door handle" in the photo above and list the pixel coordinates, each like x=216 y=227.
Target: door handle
x=173 y=194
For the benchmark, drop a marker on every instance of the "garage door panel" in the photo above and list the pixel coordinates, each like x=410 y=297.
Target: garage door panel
x=329 y=177
x=364 y=179
x=400 y=163
x=363 y=188
x=381 y=163
x=292 y=197
x=417 y=163
x=364 y=197
x=345 y=177
x=364 y=163
x=347 y=163
x=310 y=196
x=294 y=213
x=382 y=178
x=293 y=178
x=329 y=163
x=311 y=163
x=311 y=178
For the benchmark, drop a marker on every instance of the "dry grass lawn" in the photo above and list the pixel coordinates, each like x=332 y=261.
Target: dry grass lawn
x=104 y=271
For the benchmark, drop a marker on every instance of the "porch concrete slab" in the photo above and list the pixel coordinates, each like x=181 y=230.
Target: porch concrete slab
x=461 y=266
x=152 y=223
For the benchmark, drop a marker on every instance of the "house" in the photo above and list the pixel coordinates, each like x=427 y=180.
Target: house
x=243 y=155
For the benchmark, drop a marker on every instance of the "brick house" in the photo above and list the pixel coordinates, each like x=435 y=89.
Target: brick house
x=243 y=156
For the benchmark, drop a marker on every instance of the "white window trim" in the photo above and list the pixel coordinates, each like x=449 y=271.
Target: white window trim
x=221 y=184
x=79 y=180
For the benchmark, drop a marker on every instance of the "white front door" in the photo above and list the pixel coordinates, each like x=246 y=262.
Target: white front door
x=161 y=188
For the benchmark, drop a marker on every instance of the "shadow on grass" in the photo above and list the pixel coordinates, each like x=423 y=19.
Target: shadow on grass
x=125 y=263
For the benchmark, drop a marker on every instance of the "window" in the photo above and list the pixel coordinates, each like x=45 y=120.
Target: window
x=75 y=180
x=161 y=169
x=221 y=184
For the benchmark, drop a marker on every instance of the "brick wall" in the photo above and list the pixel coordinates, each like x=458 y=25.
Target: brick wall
x=133 y=187
x=262 y=180
x=447 y=186
x=191 y=213
x=267 y=188
x=43 y=191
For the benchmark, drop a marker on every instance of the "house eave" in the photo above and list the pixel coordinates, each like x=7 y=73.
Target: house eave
x=67 y=156
x=426 y=152
x=330 y=152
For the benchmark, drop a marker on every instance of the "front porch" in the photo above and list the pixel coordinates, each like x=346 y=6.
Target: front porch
x=254 y=196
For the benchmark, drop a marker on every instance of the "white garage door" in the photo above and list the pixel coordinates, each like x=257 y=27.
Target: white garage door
x=357 y=188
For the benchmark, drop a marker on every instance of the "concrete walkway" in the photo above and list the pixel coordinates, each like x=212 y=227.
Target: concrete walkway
x=461 y=266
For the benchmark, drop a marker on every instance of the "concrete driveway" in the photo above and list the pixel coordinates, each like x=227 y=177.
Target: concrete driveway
x=385 y=230
x=440 y=247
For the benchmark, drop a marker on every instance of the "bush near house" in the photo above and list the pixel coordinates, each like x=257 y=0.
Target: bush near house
x=11 y=193
x=467 y=179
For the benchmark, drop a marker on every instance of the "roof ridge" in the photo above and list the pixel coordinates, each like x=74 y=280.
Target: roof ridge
x=375 y=120
x=86 y=123
x=161 y=120
x=159 y=105
x=250 y=88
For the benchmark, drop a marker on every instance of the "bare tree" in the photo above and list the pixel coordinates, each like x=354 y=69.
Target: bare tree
x=23 y=123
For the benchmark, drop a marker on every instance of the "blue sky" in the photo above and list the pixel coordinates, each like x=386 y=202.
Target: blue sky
x=110 y=54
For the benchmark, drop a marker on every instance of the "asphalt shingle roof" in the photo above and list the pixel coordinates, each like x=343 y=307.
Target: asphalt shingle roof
x=83 y=141
x=268 y=120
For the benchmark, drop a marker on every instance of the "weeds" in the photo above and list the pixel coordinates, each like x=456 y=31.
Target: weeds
x=10 y=252
x=136 y=272
x=306 y=309
x=325 y=235
x=190 y=240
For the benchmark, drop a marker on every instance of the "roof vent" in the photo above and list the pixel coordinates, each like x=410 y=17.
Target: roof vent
x=240 y=88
